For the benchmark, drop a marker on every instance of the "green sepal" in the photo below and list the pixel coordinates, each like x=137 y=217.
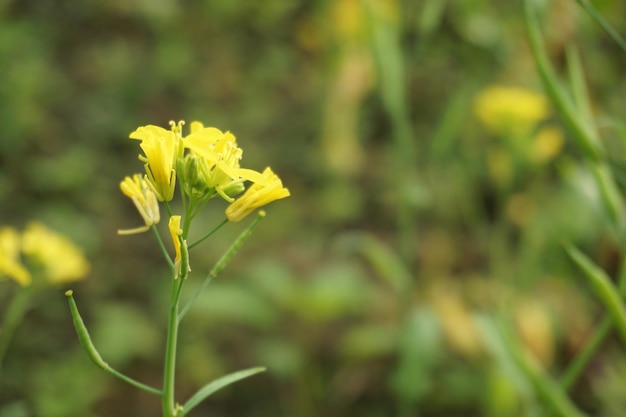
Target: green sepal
x=218 y=384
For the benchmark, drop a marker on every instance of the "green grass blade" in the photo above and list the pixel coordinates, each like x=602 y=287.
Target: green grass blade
x=499 y=331
x=603 y=23
x=603 y=287
x=585 y=138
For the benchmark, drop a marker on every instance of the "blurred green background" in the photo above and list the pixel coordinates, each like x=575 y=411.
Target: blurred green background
x=409 y=218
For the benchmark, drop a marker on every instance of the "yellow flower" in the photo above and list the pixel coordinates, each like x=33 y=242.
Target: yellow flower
x=61 y=259
x=259 y=194
x=219 y=159
x=547 y=144
x=9 y=257
x=145 y=200
x=176 y=232
x=161 y=148
x=510 y=110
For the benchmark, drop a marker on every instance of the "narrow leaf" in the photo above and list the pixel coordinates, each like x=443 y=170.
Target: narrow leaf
x=602 y=22
x=604 y=288
x=585 y=137
x=218 y=384
x=545 y=387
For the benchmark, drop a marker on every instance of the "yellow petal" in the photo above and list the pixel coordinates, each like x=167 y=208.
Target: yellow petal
x=176 y=233
x=258 y=195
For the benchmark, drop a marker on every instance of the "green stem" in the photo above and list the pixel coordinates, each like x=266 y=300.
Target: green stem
x=580 y=362
x=600 y=20
x=223 y=261
x=13 y=316
x=203 y=238
x=169 y=209
x=593 y=343
x=162 y=246
x=170 y=408
x=584 y=136
x=543 y=384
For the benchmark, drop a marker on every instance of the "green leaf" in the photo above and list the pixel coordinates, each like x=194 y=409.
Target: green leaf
x=544 y=386
x=585 y=137
x=602 y=22
x=604 y=288
x=218 y=384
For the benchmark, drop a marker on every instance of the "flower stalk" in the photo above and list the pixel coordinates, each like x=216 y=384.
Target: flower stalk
x=202 y=165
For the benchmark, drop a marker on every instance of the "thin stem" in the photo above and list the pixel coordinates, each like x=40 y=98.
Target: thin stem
x=203 y=238
x=593 y=343
x=580 y=362
x=223 y=261
x=162 y=246
x=543 y=384
x=169 y=209
x=134 y=383
x=600 y=20
x=16 y=310
x=200 y=290
x=170 y=408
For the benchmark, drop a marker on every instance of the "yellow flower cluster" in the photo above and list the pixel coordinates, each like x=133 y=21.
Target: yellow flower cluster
x=510 y=110
x=58 y=258
x=519 y=118
x=205 y=164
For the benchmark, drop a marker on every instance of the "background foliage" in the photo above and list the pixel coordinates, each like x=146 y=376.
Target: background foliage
x=409 y=219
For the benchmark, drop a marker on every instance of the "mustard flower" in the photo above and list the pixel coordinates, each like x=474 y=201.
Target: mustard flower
x=506 y=110
x=10 y=257
x=138 y=190
x=259 y=194
x=161 y=148
x=218 y=161
x=62 y=261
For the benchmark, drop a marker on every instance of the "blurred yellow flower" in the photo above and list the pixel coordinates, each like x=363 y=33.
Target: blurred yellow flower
x=457 y=322
x=10 y=257
x=161 y=148
x=547 y=144
x=258 y=195
x=138 y=190
x=62 y=261
x=535 y=328
x=510 y=110
x=176 y=232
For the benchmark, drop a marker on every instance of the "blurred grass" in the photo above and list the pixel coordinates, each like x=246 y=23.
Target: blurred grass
x=364 y=293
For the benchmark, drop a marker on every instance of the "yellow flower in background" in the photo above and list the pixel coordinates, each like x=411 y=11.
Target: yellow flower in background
x=161 y=148
x=10 y=265
x=546 y=145
x=61 y=260
x=176 y=232
x=510 y=110
x=138 y=190
x=259 y=194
